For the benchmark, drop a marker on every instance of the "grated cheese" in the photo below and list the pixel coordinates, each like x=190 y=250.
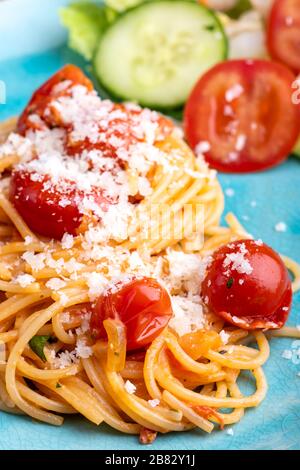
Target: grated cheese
x=36 y=262
x=82 y=350
x=188 y=314
x=287 y=354
x=67 y=241
x=154 y=403
x=129 y=387
x=234 y=92
x=281 y=227
x=224 y=336
x=229 y=192
x=238 y=262
x=55 y=284
x=24 y=280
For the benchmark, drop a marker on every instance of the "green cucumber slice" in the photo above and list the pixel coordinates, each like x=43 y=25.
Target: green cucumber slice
x=155 y=53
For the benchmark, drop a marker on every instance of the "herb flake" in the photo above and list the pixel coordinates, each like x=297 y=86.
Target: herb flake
x=229 y=283
x=37 y=344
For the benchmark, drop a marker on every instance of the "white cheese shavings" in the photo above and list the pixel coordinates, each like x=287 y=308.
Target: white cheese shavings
x=224 y=336
x=82 y=350
x=229 y=192
x=281 y=227
x=188 y=314
x=238 y=262
x=36 y=262
x=154 y=403
x=230 y=432
x=129 y=387
x=202 y=147
x=240 y=142
x=55 y=284
x=24 y=280
x=28 y=239
x=234 y=92
x=65 y=359
x=96 y=283
x=287 y=354
x=67 y=241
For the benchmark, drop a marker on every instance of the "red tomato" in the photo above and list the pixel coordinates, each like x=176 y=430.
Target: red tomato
x=46 y=93
x=41 y=209
x=248 y=285
x=119 y=130
x=283 y=32
x=143 y=305
x=243 y=109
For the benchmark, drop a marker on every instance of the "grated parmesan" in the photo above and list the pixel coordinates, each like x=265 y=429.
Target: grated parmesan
x=24 y=280
x=129 y=387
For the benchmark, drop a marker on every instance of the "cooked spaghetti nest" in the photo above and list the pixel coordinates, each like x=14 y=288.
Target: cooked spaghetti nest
x=42 y=282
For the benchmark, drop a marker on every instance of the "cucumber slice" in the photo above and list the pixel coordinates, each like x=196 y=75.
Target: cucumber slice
x=155 y=53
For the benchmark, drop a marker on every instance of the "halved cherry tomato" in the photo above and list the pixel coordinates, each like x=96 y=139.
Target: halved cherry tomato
x=283 y=32
x=248 y=285
x=49 y=91
x=243 y=110
x=143 y=305
x=43 y=209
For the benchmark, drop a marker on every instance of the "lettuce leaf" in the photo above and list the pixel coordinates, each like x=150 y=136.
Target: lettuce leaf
x=121 y=5
x=86 y=22
x=241 y=7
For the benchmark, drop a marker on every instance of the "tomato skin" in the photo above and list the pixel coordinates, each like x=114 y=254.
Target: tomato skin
x=44 y=95
x=260 y=299
x=283 y=33
x=260 y=112
x=41 y=209
x=143 y=305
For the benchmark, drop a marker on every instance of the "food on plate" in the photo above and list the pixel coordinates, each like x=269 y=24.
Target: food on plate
x=248 y=285
x=86 y=22
x=165 y=48
x=241 y=115
x=246 y=35
x=122 y=300
x=162 y=49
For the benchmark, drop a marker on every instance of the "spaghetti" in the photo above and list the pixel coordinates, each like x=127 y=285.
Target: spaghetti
x=50 y=363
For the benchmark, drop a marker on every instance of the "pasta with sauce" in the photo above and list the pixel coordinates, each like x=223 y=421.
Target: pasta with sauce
x=102 y=202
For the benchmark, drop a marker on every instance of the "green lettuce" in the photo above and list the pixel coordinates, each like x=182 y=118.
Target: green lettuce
x=121 y=5
x=241 y=7
x=86 y=22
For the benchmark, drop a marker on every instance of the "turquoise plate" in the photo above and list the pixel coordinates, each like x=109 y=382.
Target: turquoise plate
x=27 y=58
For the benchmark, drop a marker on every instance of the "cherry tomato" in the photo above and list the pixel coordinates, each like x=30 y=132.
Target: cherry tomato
x=283 y=32
x=40 y=100
x=143 y=305
x=248 y=285
x=42 y=209
x=242 y=111
x=119 y=129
